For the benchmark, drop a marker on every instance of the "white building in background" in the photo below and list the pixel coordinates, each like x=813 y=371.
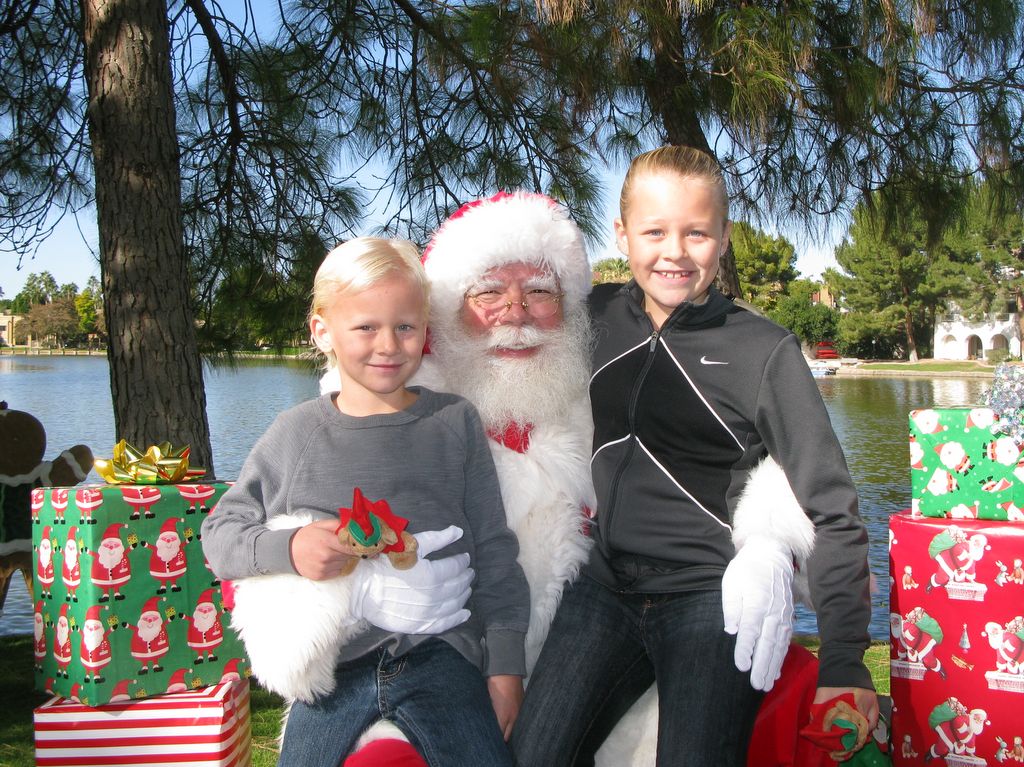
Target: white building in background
x=957 y=338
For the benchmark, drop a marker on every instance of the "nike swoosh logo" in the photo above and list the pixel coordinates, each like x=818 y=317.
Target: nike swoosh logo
x=705 y=361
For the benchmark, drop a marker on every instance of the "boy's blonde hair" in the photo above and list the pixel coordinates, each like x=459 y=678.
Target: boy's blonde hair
x=684 y=161
x=361 y=263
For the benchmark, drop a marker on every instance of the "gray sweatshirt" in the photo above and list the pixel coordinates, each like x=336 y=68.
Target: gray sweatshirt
x=431 y=463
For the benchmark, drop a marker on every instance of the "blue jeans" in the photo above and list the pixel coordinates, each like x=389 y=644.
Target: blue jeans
x=605 y=649
x=434 y=695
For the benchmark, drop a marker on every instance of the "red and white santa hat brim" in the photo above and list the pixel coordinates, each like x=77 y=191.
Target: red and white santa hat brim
x=504 y=229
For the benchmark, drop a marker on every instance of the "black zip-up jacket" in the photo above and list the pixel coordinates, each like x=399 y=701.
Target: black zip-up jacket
x=681 y=415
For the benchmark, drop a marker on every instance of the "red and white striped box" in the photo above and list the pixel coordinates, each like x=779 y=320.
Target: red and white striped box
x=208 y=727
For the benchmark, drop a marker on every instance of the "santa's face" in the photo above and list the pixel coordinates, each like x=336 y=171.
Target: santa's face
x=168 y=545
x=71 y=553
x=204 y=616
x=45 y=551
x=495 y=308
x=37 y=626
x=111 y=552
x=62 y=629
x=515 y=368
x=92 y=634
x=149 y=625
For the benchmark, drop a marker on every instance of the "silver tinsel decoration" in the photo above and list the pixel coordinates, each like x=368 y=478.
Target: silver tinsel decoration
x=1006 y=398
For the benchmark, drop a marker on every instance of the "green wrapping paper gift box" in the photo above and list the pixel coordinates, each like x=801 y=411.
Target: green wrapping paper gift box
x=124 y=602
x=961 y=468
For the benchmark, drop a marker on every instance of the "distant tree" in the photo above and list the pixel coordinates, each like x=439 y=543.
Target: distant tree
x=811 y=322
x=68 y=290
x=612 y=270
x=89 y=306
x=765 y=264
x=38 y=289
x=58 y=319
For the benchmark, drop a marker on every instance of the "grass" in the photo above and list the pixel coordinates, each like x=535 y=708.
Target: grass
x=19 y=699
x=932 y=366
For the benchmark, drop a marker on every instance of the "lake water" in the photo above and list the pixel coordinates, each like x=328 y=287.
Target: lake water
x=71 y=396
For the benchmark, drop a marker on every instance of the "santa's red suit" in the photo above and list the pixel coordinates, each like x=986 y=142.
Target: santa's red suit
x=44 y=563
x=95 y=658
x=38 y=635
x=202 y=640
x=110 y=577
x=957 y=563
x=146 y=650
x=170 y=569
x=917 y=646
x=62 y=646
x=955 y=736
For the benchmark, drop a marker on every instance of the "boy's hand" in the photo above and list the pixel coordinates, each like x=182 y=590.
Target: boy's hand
x=506 y=691
x=316 y=551
x=866 y=702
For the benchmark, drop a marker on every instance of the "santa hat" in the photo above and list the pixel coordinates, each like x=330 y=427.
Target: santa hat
x=505 y=229
x=178 y=677
x=76 y=691
x=206 y=596
x=39 y=606
x=112 y=531
x=169 y=525
x=64 y=610
x=93 y=613
x=72 y=533
x=151 y=606
x=120 y=690
x=47 y=530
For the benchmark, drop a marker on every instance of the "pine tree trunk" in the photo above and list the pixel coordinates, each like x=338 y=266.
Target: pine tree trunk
x=155 y=369
x=671 y=100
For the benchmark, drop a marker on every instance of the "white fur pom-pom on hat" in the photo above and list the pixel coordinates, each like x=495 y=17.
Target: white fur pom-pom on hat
x=504 y=229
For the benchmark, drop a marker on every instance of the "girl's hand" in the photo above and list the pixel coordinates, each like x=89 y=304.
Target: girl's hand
x=506 y=691
x=865 y=701
x=317 y=553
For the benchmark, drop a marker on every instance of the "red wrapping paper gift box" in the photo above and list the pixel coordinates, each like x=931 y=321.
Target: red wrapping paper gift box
x=208 y=727
x=957 y=650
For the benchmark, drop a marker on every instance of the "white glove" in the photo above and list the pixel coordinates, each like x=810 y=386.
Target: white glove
x=427 y=598
x=757 y=600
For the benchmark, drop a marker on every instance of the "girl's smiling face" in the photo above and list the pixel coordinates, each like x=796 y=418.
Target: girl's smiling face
x=673 y=234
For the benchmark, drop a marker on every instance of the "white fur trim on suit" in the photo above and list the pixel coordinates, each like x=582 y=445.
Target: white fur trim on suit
x=293 y=627
x=767 y=507
x=504 y=229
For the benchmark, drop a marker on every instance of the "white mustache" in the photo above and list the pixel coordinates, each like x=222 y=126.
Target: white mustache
x=509 y=337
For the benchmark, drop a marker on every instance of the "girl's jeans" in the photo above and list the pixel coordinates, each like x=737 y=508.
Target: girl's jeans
x=605 y=649
x=433 y=694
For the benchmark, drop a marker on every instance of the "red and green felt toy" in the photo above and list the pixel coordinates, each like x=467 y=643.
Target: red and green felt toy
x=371 y=528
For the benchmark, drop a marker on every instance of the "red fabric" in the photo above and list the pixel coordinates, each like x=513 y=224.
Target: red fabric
x=785 y=709
x=389 y=752
x=515 y=437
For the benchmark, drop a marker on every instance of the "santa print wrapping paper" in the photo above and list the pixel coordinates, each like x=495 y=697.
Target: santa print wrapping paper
x=200 y=728
x=961 y=469
x=957 y=645
x=124 y=602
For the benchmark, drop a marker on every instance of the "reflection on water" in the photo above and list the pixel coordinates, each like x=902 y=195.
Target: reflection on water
x=71 y=396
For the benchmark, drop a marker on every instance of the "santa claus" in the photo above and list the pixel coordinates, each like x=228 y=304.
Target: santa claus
x=38 y=636
x=956 y=555
x=149 y=637
x=44 y=563
x=958 y=729
x=111 y=567
x=917 y=636
x=528 y=375
x=205 y=632
x=177 y=681
x=62 y=642
x=71 y=570
x=1008 y=642
x=95 y=645
x=167 y=561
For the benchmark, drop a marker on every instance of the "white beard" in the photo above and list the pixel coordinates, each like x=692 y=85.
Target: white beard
x=536 y=389
x=204 y=618
x=167 y=550
x=92 y=635
x=109 y=554
x=62 y=631
x=45 y=554
x=71 y=556
x=149 y=629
